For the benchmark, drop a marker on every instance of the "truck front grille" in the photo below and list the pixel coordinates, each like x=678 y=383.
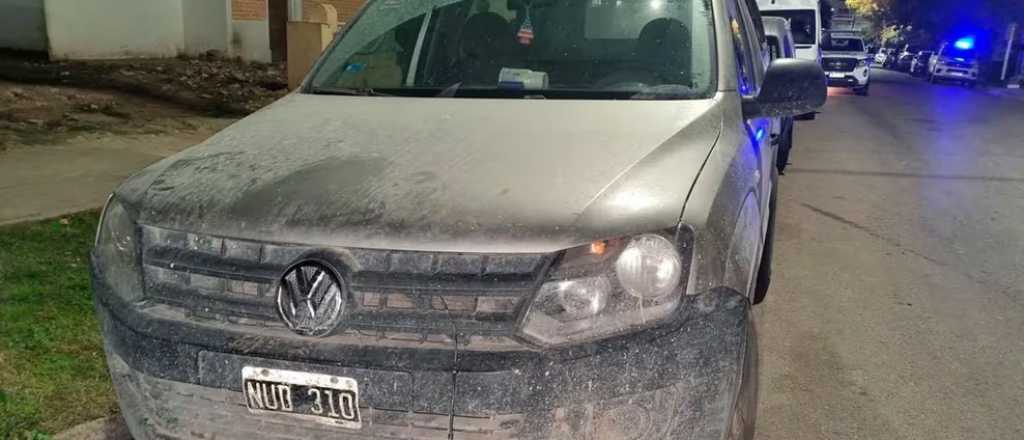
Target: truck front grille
x=417 y=294
x=839 y=64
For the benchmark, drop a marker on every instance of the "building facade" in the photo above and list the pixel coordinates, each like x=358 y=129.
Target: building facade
x=253 y=30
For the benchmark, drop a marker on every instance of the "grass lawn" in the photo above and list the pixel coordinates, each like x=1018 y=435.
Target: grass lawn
x=52 y=371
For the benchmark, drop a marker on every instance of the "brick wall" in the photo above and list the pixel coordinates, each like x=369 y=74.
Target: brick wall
x=346 y=8
x=249 y=10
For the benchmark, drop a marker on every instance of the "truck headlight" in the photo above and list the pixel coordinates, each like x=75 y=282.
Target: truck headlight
x=862 y=63
x=649 y=267
x=610 y=287
x=116 y=255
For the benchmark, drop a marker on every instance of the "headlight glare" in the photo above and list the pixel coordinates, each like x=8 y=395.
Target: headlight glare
x=117 y=251
x=575 y=299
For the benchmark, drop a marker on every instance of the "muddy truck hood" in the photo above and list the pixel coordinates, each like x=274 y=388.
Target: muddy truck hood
x=459 y=175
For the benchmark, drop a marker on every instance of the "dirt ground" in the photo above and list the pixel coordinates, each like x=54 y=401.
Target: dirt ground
x=43 y=115
x=44 y=102
x=208 y=84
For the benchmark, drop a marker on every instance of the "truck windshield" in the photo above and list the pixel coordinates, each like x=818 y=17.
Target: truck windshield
x=572 y=49
x=835 y=44
x=801 y=22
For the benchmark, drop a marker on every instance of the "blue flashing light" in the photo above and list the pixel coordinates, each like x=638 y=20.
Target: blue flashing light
x=965 y=43
x=760 y=134
x=744 y=87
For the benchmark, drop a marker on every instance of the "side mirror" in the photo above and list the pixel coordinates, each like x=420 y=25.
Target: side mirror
x=791 y=87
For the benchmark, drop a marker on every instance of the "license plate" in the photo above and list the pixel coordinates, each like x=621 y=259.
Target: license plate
x=836 y=75
x=331 y=400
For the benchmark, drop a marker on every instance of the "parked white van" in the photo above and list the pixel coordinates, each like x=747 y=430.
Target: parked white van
x=804 y=21
x=805 y=24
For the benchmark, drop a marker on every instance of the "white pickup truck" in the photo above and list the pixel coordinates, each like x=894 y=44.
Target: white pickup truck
x=846 y=62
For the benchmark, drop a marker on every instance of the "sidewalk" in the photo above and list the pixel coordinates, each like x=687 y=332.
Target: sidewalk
x=47 y=181
x=1006 y=93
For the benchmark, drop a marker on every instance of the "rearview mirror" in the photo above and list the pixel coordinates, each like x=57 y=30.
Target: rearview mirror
x=791 y=87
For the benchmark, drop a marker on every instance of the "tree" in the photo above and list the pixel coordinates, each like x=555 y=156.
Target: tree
x=939 y=19
x=868 y=8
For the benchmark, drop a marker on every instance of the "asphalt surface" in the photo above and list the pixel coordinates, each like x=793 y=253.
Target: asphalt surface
x=897 y=307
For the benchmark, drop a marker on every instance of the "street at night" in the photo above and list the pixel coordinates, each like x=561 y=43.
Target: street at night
x=896 y=308
x=512 y=219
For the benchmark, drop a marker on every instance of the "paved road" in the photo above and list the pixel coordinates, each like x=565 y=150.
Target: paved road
x=897 y=309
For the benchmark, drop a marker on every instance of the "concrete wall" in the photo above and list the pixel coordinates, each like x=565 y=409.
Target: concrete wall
x=104 y=29
x=250 y=30
x=250 y=40
x=206 y=25
x=22 y=25
x=306 y=41
x=94 y=29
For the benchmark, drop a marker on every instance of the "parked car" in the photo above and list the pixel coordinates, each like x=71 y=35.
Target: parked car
x=846 y=62
x=919 y=67
x=469 y=221
x=883 y=55
x=957 y=61
x=905 y=60
x=780 y=45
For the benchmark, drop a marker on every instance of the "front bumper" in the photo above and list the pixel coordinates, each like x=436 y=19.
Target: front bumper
x=860 y=77
x=955 y=74
x=178 y=378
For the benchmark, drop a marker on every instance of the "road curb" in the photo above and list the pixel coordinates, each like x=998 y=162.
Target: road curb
x=1006 y=93
x=108 y=428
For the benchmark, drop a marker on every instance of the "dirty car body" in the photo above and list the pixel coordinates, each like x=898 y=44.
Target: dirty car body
x=460 y=228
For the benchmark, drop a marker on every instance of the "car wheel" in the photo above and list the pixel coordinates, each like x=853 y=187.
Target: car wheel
x=971 y=84
x=863 y=91
x=764 y=271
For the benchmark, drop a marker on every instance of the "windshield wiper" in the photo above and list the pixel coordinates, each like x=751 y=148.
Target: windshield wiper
x=450 y=91
x=348 y=92
x=664 y=91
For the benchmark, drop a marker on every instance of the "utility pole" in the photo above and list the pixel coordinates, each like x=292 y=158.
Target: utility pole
x=1009 y=49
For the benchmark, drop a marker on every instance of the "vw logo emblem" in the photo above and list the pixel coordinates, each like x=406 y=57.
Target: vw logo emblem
x=310 y=299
